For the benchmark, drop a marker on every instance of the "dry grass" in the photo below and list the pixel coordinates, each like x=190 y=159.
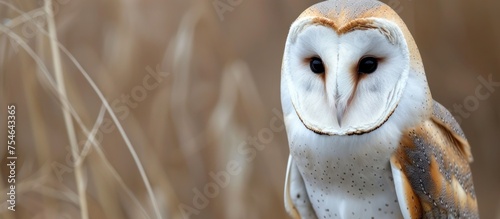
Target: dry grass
x=198 y=88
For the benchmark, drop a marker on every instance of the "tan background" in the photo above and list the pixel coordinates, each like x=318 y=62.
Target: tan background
x=220 y=91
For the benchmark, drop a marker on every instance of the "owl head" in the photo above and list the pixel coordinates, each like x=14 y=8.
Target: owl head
x=346 y=66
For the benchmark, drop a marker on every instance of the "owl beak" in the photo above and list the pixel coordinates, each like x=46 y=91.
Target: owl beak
x=337 y=97
x=340 y=111
x=339 y=119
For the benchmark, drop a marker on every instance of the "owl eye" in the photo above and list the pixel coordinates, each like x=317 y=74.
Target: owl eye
x=367 y=65
x=316 y=65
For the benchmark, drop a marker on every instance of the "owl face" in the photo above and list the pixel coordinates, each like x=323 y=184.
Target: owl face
x=345 y=77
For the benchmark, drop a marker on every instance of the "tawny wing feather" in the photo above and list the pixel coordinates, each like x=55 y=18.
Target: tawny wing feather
x=296 y=198
x=431 y=170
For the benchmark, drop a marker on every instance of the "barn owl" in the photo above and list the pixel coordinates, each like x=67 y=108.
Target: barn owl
x=366 y=138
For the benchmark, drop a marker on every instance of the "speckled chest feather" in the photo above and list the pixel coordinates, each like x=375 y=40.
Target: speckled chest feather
x=347 y=180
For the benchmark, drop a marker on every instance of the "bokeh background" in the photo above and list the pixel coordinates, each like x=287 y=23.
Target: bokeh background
x=194 y=86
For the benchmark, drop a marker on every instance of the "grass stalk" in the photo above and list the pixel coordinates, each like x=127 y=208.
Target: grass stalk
x=56 y=59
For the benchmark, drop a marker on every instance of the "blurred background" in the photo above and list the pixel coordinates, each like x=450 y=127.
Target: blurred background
x=172 y=108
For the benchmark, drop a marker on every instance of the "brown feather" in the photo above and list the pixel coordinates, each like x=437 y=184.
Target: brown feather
x=434 y=158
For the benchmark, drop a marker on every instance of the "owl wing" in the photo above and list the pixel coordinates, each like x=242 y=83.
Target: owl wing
x=431 y=170
x=297 y=202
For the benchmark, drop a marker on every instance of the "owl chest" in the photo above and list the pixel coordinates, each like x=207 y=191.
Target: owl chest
x=348 y=180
